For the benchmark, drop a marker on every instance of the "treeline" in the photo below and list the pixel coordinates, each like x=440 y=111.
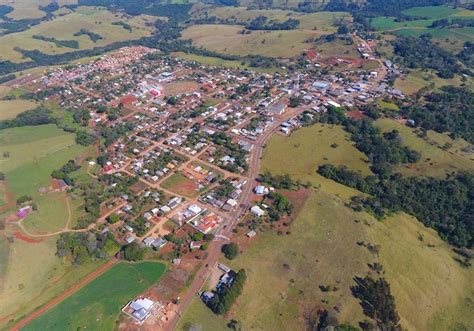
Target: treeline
x=65 y=170
x=94 y=37
x=422 y=53
x=49 y=8
x=261 y=23
x=377 y=302
x=86 y=246
x=225 y=296
x=61 y=43
x=445 y=205
x=124 y=25
x=374 y=7
x=449 y=110
x=452 y=23
x=4 y=11
x=7 y=78
x=37 y=116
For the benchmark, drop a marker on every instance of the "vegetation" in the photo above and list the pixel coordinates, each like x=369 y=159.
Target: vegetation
x=37 y=116
x=377 y=301
x=230 y=250
x=94 y=37
x=225 y=296
x=260 y=23
x=60 y=43
x=133 y=252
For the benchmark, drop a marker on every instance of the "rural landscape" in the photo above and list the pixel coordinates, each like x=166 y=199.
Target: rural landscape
x=236 y=165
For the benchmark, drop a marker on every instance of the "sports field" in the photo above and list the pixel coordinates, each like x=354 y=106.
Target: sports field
x=64 y=27
x=227 y=39
x=97 y=305
x=440 y=155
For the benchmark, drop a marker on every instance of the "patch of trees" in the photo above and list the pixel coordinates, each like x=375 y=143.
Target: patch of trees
x=261 y=23
x=443 y=204
x=280 y=206
x=467 y=54
x=133 y=252
x=82 y=247
x=94 y=37
x=65 y=170
x=230 y=250
x=377 y=302
x=232 y=149
x=37 y=116
x=60 y=43
x=124 y=25
x=449 y=110
x=284 y=182
x=24 y=198
x=85 y=139
x=422 y=53
x=81 y=117
x=445 y=23
x=112 y=134
x=7 y=78
x=378 y=7
x=5 y=10
x=225 y=296
x=49 y=8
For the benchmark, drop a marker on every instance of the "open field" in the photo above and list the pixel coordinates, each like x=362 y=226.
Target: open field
x=199 y=315
x=10 y=108
x=30 y=9
x=63 y=28
x=97 y=305
x=228 y=40
x=310 y=147
x=450 y=39
x=34 y=275
x=418 y=79
x=181 y=185
x=431 y=290
x=440 y=154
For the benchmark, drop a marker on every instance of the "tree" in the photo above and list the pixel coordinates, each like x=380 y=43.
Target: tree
x=343 y=29
x=133 y=252
x=230 y=250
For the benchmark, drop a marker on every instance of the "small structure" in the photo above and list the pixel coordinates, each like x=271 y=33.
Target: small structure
x=139 y=309
x=251 y=234
x=257 y=211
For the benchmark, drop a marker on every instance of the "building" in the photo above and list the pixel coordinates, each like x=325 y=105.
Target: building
x=139 y=309
x=257 y=211
x=276 y=109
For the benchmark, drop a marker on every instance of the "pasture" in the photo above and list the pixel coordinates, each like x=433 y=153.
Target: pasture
x=97 y=305
x=417 y=79
x=440 y=155
x=30 y=9
x=227 y=39
x=10 y=108
x=63 y=28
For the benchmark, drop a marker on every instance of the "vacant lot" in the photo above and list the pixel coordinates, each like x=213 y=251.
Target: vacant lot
x=228 y=39
x=440 y=154
x=310 y=147
x=98 y=304
x=63 y=28
x=181 y=185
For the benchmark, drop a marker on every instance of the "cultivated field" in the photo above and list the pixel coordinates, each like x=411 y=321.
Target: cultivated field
x=440 y=155
x=63 y=27
x=97 y=305
x=228 y=39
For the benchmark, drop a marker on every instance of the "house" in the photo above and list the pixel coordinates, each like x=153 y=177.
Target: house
x=277 y=108
x=251 y=234
x=223 y=267
x=194 y=245
x=158 y=243
x=257 y=211
x=148 y=241
x=139 y=309
x=261 y=190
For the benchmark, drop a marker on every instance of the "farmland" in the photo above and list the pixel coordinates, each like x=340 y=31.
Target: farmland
x=98 y=304
x=276 y=43
x=440 y=155
x=450 y=39
x=64 y=28
x=10 y=108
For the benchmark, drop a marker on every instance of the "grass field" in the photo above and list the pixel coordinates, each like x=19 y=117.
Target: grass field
x=63 y=28
x=97 y=305
x=180 y=185
x=30 y=9
x=33 y=276
x=418 y=79
x=310 y=147
x=450 y=39
x=10 y=108
x=227 y=38
x=437 y=158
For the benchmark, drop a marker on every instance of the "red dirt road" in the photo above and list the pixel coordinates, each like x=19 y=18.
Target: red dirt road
x=76 y=287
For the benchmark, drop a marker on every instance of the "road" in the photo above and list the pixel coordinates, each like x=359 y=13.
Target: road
x=215 y=248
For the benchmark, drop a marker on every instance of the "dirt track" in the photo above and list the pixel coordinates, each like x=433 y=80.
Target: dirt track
x=76 y=287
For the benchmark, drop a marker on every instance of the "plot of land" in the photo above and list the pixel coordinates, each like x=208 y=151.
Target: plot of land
x=97 y=305
x=440 y=154
x=181 y=185
x=228 y=39
x=64 y=27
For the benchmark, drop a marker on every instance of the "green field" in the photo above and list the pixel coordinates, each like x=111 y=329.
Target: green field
x=181 y=185
x=450 y=39
x=228 y=40
x=97 y=305
x=63 y=28
x=417 y=79
x=440 y=155
x=310 y=147
x=10 y=108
